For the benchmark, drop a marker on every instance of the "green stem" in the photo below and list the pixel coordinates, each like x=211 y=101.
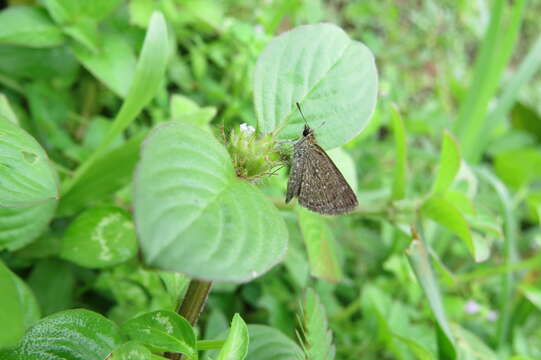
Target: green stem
x=192 y=305
x=210 y=344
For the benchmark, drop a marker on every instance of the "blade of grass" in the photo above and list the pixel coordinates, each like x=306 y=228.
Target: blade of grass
x=419 y=259
x=496 y=50
x=401 y=166
x=148 y=76
x=510 y=256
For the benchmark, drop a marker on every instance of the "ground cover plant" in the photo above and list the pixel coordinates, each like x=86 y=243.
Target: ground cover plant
x=143 y=171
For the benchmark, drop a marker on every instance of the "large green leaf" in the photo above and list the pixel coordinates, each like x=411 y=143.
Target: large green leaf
x=267 y=343
x=100 y=237
x=194 y=216
x=333 y=77
x=163 y=330
x=18 y=307
x=72 y=334
x=449 y=164
x=131 y=350
x=26 y=175
x=64 y=11
x=28 y=26
x=236 y=344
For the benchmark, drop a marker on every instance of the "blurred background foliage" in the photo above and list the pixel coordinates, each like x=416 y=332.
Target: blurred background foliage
x=65 y=93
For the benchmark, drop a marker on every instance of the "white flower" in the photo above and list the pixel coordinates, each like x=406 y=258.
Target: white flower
x=492 y=316
x=471 y=307
x=247 y=129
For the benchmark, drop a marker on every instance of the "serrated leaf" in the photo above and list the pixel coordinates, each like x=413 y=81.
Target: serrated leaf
x=27 y=177
x=321 y=246
x=18 y=307
x=71 y=334
x=28 y=26
x=333 y=77
x=317 y=336
x=131 y=350
x=100 y=237
x=163 y=330
x=236 y=344
x=401 y=165
x=420 y=262
x=267 y=343
x=449 y=164
x=194 y=216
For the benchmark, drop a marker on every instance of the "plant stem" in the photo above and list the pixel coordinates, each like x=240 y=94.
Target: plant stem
x=192 y=305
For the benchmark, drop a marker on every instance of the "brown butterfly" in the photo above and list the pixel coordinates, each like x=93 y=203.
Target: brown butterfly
x=315 y=180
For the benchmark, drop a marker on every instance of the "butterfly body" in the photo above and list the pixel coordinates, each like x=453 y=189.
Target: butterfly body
x=316 y=181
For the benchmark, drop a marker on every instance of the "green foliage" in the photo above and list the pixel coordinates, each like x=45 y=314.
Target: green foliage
x=144 y=149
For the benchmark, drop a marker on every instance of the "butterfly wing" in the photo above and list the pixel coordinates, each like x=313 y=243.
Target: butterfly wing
x=323 y=188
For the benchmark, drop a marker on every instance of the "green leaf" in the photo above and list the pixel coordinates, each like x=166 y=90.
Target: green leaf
x=53 y=283
x=333 y=77
x=194 y=216
x=100 y=237
x=114 y=63
x=470 y=346
x=85 y=31
x=321 y=246
x=131 y=350
x=449 y=164
x=267 y=343
x=71 y=11
x=71 y=334
x=186 y=110
x=236 y=344
x=27 y=177
x=149 y=74
x=6 y=112
x=317 y=336
x=420 y=262
x=518 y=167
x=401 y=156
x=18 y=307
x=109 y=174
x=163 y=330
x=446 y=214
x=28 y=26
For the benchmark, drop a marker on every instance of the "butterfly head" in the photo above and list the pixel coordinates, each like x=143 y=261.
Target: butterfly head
x=307 y=131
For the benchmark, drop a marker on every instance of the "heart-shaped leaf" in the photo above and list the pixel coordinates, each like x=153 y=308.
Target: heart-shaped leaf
x=194 y=216
x=333 y=77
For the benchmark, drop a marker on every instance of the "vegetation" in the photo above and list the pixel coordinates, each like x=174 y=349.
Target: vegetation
x=143 y=153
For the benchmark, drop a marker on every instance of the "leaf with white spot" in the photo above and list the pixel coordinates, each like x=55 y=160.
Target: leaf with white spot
x=163 y=330
x=333 y=77
x=100 y=237
x=193 y=215
x=131 y=350
x=71 y=334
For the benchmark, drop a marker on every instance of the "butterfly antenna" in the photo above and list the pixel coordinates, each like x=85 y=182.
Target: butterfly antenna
x=300 y=110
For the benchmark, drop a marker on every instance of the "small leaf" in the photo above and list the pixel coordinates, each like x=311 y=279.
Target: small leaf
x=18 y=307
x=163 y=330
x=267 y=343
x=28 y=26
x=236 y=344
x=71 y=334
x=186 y=110
x=333 y=77
x=445 y=213
x=26 y=176
x=420 y=262
x=131 y=350
x=401 y=156
x=321 y=246
x=113 y=64
x=100 y=237
x=449 y=164
x=317 y=336
x=194 y=216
